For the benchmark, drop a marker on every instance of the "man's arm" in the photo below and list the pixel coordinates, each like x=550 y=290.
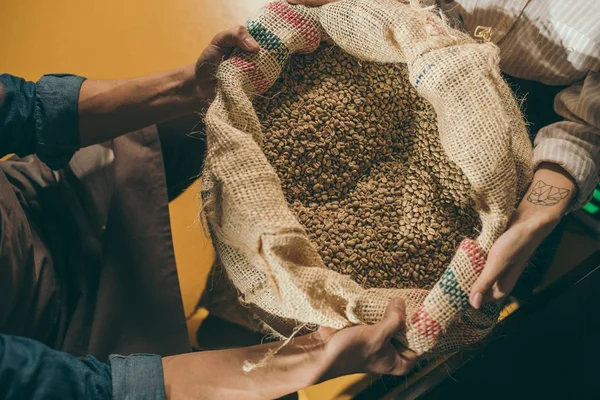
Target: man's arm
x=31 y=370
x=40 y=117
x=305 y=361
x=108 y=109
x=61 y=113
x=567 y=157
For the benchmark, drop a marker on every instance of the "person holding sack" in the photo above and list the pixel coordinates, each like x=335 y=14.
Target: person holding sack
x=90 y=303
x=553 y=48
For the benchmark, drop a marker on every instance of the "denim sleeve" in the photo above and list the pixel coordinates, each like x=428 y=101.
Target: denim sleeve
x=139 y=376
x=31 y=370
x=41 y=117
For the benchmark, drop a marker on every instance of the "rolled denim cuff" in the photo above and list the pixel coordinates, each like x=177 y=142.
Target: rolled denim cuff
x=139 y=376
x=57 y=119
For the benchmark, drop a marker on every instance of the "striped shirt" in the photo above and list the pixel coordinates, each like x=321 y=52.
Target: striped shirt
x=556 y=42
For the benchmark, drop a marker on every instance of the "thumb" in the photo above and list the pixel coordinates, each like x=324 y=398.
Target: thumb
x=393 y=320
x=235 y=37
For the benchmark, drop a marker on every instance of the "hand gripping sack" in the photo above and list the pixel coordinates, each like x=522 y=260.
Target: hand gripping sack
x=279 y=276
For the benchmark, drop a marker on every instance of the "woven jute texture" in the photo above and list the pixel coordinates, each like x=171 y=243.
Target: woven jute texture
x=278 y=274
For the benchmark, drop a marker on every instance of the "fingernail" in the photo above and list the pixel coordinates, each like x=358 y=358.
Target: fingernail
x=477 y=299
x=251 y=43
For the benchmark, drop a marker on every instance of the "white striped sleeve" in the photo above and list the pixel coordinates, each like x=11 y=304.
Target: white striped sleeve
x=574 y=143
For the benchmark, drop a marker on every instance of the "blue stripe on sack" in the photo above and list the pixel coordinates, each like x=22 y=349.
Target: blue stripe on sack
x=453 y=292
x=422 y=74
x=268 y=41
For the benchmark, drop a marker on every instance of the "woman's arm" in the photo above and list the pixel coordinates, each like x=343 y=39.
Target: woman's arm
x=567 y=155
x=542 y=208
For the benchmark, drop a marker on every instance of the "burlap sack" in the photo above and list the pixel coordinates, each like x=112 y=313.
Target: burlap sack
x=279 y=276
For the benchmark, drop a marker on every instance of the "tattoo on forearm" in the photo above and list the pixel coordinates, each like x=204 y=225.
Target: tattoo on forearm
x=543 y=194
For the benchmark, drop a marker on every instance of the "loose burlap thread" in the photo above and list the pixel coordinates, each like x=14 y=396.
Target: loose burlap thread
x=279 y=276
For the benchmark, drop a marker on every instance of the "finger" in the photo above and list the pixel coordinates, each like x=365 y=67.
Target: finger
x=404 y=352
x=483 y=286
x=404 y=363
x=393 y=320
x=507 y=281
x=311 y=3
x=500 y=289
x=396 y=359
x=235 y=37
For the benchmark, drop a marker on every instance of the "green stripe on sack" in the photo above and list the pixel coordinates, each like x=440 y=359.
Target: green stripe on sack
x=268 y=41
x=452 y=290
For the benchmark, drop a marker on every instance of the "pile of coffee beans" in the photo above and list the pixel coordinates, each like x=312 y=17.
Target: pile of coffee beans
x=360 y=162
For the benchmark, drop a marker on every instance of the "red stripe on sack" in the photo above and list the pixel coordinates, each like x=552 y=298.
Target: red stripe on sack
x=475 y=254
x=425 y=324
x=255 y=75
x=311 y=34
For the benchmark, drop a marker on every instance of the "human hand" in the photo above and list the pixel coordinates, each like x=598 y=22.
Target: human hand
x=218 y=50
x=369 y=348
x=305 y=361
x=538 y=214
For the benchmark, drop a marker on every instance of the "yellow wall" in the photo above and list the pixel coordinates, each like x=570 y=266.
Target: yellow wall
x=116 y=39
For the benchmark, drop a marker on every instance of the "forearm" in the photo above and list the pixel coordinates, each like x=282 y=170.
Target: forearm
x=540 y=210
x=110 y=108
x=321 y=355
x=547 y=199
x=574 y=143
x=220 y=375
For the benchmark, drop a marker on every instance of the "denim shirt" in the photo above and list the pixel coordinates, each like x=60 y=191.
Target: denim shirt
x=42 y=118
x=32 y=370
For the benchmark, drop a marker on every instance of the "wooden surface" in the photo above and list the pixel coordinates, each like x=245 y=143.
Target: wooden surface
x=117 y=39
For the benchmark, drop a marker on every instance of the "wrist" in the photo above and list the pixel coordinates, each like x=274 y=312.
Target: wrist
x=537 y=220
x=317 y=361
x=189 y=89
x=300 y=364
